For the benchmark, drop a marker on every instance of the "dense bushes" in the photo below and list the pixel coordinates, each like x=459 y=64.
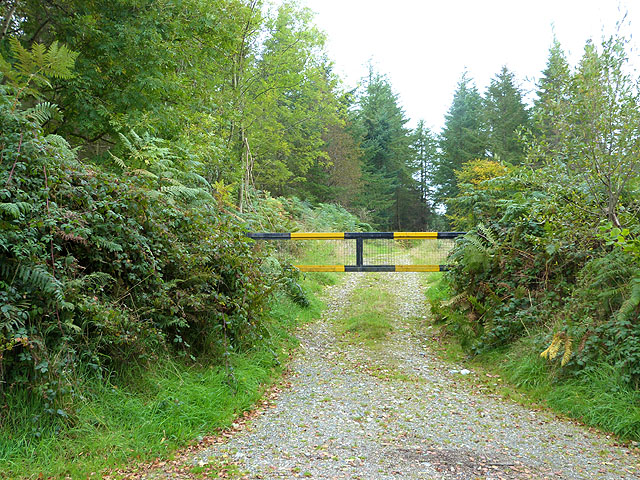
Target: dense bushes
x=540 y=270
x=102 y=268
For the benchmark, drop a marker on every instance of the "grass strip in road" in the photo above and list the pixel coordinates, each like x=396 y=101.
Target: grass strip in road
x=367 y=321
x=367 y=318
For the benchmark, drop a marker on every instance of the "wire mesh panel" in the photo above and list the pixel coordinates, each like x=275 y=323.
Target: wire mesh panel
x=360 y=251
x=311 y=252
x=406 y=252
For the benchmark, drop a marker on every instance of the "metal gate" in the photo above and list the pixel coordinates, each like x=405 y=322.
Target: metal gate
x=376 y=251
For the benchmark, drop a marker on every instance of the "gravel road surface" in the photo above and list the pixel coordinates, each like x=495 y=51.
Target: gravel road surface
x=397 y=412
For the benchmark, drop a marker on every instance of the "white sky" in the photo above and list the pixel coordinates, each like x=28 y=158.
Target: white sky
x=424 y=46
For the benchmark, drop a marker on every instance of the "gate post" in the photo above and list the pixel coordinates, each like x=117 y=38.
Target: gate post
x=359 y=254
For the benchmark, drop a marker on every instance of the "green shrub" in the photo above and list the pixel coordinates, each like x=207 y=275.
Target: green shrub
x=535 y=270
x=102 y=269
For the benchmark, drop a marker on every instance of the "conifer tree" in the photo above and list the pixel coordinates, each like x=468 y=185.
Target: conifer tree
x=552 y=95
x=463 y=137
x=425 y=150
x=386 y=154
x=505 y=116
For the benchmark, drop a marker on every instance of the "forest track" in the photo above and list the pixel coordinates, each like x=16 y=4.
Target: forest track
x=396 y=411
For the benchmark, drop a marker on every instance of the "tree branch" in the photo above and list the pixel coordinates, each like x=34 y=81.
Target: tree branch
x=7 y=20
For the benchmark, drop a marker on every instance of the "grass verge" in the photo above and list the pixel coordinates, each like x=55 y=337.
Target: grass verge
x=598 y=397
x=143 y=414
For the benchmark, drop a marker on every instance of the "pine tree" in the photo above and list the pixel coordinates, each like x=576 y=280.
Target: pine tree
x=463 y=137
x=386 y=154
x=425 y=149
x=505 y=116
x=552 y=95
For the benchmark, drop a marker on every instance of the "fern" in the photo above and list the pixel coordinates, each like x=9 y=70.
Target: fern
x=107 y=244
x=43 y=112
x=145 y=173
x=567 y=352
x=180 y=191
x=488 y=235
x=630 y=305
x=148 y=157
x=477 y=305
x=5 y=67
x=25 y=63
x=472 y=253
x=607 y=279
x=455 y=300
x=476 y=243
x=551 y=352
x=36 y=278
x=145 y=150
x=57 y=61
x=12 y=317
x=37 y=65
x=118 y=161
x=95 y=280
x=61 y=146
x=14 y=210
x=174 y=182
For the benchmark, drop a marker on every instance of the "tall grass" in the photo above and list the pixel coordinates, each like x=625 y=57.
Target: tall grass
x=598 y=397
x=121 y=420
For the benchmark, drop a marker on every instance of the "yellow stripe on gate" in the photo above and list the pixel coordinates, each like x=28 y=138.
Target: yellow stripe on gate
x=317 y=236
x=417 y=268
x=320 y=268
x=411 y=235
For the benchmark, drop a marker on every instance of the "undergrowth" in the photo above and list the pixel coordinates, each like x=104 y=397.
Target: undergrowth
x=146 y=410
x=599 y=396
x=135 y=314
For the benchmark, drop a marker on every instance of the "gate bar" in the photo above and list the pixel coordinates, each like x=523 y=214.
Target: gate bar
x=359 y=237
x=372 y=268
x=350 y=235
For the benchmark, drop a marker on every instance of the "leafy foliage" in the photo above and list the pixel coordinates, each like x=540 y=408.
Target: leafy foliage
x=553 y=262
x=598 y=133
x=480 y=182
x=102 y=269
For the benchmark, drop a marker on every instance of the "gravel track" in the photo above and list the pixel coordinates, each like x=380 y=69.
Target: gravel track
x=399 y=412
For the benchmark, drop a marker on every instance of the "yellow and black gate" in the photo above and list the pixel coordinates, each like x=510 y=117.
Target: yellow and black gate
x=374 y=251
